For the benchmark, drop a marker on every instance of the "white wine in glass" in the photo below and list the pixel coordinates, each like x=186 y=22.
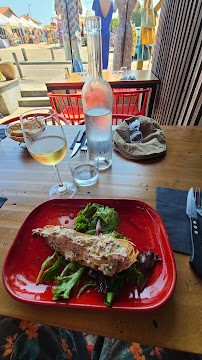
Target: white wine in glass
x=46 y=142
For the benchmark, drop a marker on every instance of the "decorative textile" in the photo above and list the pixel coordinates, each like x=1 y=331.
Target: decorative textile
x=148 y=18
x=22 y=339
x=147 y=36
x=26 y=340
x=73 y=8
x=105 y=32
x=124 y=34
x=144 y=52
x=70 y=25
x=135 y=36
x=112 y=349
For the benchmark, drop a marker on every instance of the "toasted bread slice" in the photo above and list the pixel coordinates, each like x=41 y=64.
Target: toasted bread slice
x=103 y=252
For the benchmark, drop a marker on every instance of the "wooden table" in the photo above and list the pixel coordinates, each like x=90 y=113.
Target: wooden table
x=26 y=184
x=144 y=79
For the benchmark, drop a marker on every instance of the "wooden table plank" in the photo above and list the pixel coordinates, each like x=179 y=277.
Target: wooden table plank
x=76 y=81
x=26 y=183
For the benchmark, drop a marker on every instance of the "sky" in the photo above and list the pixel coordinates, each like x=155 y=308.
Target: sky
x=41 y=10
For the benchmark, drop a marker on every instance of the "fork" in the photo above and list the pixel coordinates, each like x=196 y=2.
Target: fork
x=84 y=148
x=198 y=201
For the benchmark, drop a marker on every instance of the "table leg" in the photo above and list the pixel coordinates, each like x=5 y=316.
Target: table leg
x=152 y=97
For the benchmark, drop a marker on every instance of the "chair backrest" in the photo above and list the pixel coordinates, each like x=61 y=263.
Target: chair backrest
x=69 y=106
x=126 y=103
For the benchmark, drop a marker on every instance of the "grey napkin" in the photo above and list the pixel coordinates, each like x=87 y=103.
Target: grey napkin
x=153 y=143
x=171 y=206
x=2 y=201
x=2 y=134
x=128 y=78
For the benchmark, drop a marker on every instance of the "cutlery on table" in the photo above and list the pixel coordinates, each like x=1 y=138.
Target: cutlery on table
x=198 y=200
x=84 y=147
x=78 y=142
x=196 y=239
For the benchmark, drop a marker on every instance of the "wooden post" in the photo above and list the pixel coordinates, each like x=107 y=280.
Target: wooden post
x=24 y=54
x=139 y=65
x=17 y=64
x=52 y=54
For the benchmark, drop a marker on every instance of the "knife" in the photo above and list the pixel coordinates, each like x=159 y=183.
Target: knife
x=196 y=239
x=78 y=142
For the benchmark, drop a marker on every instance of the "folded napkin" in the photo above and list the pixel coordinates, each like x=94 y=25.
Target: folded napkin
x=128 y=78
x=2 y=201
x=2 y=134
x=153 y=142
x=171 y=206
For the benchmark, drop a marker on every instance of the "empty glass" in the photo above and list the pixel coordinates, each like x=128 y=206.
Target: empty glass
x=84 y=172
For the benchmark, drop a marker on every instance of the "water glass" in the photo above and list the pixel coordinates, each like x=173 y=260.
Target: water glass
x=124 y=71
x=84 y=172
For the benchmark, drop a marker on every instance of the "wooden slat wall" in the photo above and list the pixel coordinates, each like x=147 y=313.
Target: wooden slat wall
x=177 y=63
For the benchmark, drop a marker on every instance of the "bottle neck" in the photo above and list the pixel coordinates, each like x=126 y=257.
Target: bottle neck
x=94 y=53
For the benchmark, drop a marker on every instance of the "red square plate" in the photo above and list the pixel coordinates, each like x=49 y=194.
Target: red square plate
x=138 y=221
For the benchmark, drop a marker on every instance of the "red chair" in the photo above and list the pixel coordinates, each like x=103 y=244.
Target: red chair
x=125 y=104
x=128 y=103
x=69 y=106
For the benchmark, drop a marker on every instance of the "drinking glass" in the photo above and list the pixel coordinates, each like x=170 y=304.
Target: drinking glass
x=46 y=142
x=124 y=71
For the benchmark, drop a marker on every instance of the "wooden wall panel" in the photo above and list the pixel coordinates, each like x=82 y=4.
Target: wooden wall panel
x=177 y=63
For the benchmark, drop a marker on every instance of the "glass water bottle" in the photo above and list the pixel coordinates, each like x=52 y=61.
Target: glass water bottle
x=97 y=99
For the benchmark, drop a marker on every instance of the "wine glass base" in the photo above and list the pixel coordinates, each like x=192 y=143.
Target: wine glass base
x=67 y=191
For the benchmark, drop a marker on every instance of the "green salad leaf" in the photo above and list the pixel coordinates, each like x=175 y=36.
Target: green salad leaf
x=87 y=219
x=66 y=283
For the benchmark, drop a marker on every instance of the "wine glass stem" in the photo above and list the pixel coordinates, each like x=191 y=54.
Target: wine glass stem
x=58 y=175
x=61 y=188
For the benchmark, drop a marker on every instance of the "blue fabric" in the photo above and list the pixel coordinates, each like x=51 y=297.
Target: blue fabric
x=105 y=22
x=78 y=66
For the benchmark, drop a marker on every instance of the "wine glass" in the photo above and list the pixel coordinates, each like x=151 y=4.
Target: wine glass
x=46 y=143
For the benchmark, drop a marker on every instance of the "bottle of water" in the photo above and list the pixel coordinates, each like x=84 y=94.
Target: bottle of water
x=97 y=99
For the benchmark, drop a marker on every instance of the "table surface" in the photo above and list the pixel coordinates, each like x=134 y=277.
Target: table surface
x=143 y=77
x=26 y=184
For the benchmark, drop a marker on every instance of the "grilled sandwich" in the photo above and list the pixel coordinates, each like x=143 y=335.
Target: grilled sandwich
x=103 y=252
